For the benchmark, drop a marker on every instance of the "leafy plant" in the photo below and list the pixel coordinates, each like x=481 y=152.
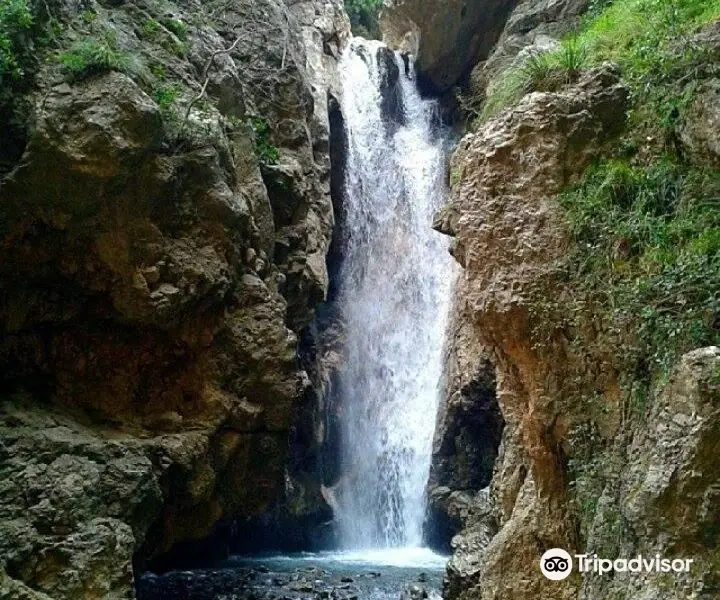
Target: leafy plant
x=177 y=27
x=15 y=23
x=165 y=96
x=363 y=16
x=267 y=153
x=88 y=57
x=88 y=16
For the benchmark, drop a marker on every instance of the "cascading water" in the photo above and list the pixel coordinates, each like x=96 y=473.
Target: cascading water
x=394 y=291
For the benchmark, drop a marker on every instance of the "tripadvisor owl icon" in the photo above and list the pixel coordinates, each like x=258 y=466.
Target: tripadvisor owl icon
x=556 y=564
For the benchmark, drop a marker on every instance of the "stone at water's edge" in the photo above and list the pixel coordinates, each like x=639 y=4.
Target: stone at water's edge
x=301 y=577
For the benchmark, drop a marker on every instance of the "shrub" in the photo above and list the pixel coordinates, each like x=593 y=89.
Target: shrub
x=363 y=16
x=165 y=96
x=15 y=23
x=88 y=57
x=266 y=153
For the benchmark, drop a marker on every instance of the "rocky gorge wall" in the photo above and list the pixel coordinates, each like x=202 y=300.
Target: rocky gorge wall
x=579 y=465
x=167 y=210
x=165 y=214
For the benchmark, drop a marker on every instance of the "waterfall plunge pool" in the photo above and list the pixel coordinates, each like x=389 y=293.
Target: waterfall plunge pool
x=394 y=291
x=374 y=574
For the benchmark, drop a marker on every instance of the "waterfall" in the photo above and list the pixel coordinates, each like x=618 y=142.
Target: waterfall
x=394 y=287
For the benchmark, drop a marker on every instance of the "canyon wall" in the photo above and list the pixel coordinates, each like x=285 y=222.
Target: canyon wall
x=165 y=215
x=582 y=463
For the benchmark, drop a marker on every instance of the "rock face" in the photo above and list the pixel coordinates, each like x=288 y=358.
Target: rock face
x=447 y=37
x=532 y=25
x=668 y=488
x=159 y=261
x=659 y=479
x=702 y=121
x=506 y=232
x=467 y=435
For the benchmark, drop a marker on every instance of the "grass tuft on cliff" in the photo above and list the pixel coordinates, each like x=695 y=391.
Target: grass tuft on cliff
x=638 y=35
x=88 y=57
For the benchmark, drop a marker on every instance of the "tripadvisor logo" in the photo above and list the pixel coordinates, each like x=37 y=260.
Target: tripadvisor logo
x=556 y=564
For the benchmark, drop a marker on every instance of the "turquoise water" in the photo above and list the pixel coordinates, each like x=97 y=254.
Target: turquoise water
x=352 y=575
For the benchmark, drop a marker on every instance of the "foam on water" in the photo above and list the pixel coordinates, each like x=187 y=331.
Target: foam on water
x=410 y=557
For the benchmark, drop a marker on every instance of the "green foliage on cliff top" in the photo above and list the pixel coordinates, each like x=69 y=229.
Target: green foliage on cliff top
x=15 y=22
x=363 y=16
x=637 y=34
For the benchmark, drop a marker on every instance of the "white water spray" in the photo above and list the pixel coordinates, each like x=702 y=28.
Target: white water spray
x=394 y=296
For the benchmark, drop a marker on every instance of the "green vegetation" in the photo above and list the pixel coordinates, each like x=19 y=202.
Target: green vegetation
x=645 y=262
x=642 y=36
x=640 y=282
x=177 y=27
x=165 y=96
x=363 y=16
x=150 y=28
x=88 y=57
x=266 y=153
x=647 y=254
x=15 y=23
x=88 y=16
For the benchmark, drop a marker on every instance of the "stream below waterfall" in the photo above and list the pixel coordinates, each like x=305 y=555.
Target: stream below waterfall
x=372 y=575
x=393 y=297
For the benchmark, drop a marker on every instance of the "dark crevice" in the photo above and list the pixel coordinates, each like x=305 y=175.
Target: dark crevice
x=466 y=446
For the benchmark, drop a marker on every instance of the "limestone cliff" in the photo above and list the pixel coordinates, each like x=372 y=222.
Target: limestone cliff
x=502 y=208
x=165 y=214
x=587 y=462
x=448 y=38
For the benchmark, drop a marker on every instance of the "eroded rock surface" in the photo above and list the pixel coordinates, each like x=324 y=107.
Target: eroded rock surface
x=467 y=435
x=158 y=264
x=507 y=231
x=447 y=37
x=656 y=475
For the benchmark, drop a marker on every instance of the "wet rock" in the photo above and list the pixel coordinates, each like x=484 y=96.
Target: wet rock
x=414 y=592
x=140 y=301
x=447 y=37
